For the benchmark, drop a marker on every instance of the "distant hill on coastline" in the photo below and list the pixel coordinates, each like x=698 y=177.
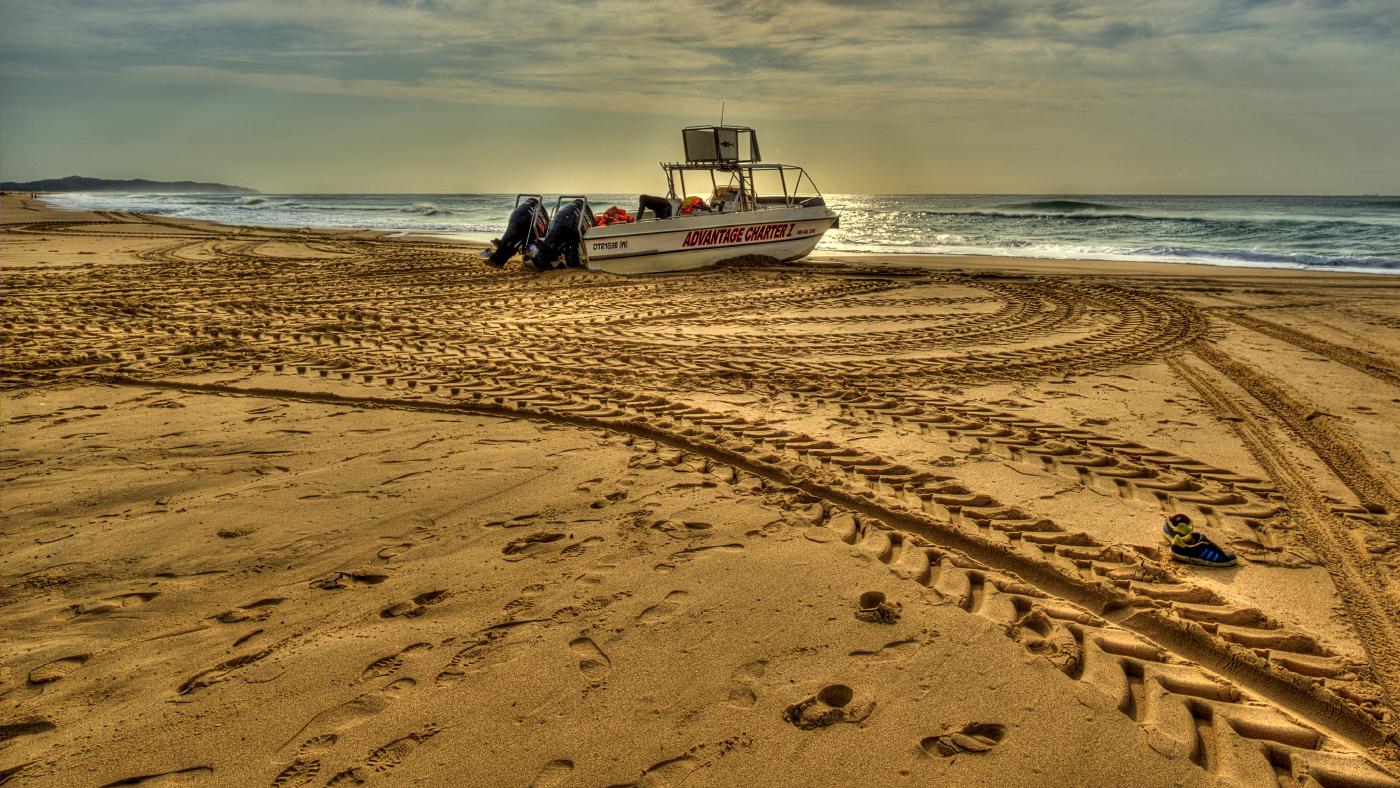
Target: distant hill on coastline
x=78 y=183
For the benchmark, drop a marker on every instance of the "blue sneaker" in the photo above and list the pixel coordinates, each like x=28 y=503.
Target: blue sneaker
x=1203 y=552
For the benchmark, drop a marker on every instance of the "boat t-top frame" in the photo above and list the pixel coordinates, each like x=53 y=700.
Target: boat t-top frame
x=720 y=152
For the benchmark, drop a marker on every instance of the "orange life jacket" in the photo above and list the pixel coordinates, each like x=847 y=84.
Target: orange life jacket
x=615 y=215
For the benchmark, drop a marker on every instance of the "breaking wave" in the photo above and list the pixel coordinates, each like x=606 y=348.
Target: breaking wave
x=425 y=209
x=1060 y=206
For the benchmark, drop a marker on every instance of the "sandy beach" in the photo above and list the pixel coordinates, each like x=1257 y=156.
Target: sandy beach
x=298 y=507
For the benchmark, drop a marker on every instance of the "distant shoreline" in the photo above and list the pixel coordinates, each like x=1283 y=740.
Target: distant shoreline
x=81 y=184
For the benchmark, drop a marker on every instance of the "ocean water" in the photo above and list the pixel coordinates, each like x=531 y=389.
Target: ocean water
x=1332 y=233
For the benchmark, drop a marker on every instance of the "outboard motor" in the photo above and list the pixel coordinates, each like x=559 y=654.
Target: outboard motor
x=527 y=224
x=563 y=238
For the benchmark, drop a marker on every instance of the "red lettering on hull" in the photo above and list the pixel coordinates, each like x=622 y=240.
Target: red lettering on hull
x=721 y=236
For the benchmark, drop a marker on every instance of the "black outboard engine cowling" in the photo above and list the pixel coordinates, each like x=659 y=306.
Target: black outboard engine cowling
x=563 y=238
x=527 y=224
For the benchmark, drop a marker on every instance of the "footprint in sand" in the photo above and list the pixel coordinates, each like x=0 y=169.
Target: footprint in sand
x=743 y=683
x=873 y=607
x=526 y=600
x=974 y=737
x=330 y=723
x=526 y=546
x=394 y=550
x=579 y=548
x=832 y=704
x=664 y=610
x=611 y=497
x=31 y=726
x=390 y=664
x=668 y=772
x=592 y=662
x=243 y=663
x=518 y=521
x=253 y=611
x=489 y=650
x=59 y=668
x=687 y=529
x=554 y=773
x=413 y=607
x=338 y=580
x=110 y=604
x=690 y=553
x=890 y=652
x=384 y=759
x=1042 y=635
x=307 y=766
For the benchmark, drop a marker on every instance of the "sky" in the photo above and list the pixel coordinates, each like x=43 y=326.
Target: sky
x=945 y=96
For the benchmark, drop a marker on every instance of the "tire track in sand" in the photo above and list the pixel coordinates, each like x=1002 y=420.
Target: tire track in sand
x=1378 y=493
x=1368 y=363
x=1188 y=712
x=1100 y=577
x=1079 y=557
x=330 y=320
x=1073 y=553
x=1362 y=587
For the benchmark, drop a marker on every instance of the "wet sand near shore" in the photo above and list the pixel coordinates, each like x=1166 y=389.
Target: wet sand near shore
x=295 y=507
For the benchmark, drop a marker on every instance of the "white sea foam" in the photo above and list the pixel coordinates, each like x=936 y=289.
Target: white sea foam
x=1023 y=249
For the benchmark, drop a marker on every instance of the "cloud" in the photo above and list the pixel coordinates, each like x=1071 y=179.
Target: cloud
x=1018 y=74
x=1114 y=34
x=803 y=57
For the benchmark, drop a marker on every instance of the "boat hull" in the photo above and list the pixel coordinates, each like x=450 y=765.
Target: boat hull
x=687 y=242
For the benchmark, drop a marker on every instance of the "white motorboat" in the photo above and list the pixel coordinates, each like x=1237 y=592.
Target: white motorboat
x=755 y=208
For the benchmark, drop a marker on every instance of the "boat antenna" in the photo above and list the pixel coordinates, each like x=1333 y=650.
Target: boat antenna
x=721 y=113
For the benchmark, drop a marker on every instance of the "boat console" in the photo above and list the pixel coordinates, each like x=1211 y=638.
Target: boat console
x=739 y=179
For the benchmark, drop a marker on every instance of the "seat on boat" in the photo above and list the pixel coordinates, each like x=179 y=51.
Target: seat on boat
x=725 y=199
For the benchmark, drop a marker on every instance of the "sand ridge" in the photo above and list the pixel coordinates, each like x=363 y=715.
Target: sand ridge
x=1000 y=441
